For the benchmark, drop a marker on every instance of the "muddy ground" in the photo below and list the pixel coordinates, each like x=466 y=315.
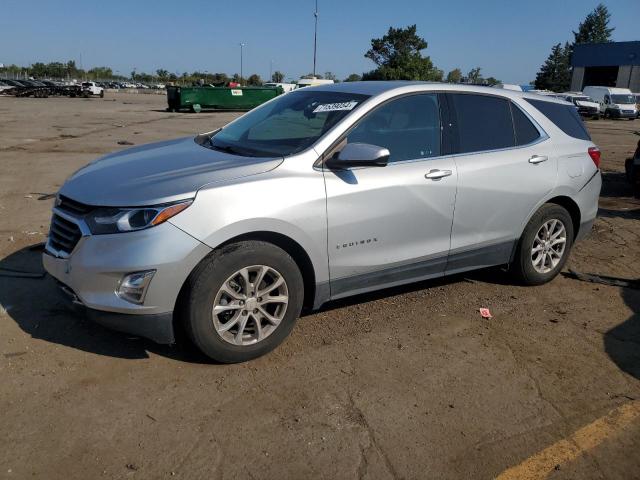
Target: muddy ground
x=405 y=383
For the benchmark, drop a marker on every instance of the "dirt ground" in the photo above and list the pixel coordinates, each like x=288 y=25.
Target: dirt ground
x=405 y=383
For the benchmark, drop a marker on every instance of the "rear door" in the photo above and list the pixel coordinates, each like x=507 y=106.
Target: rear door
x=392 y=225
x=504 y=169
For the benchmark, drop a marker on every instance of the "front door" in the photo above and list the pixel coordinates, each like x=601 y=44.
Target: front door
x=392 y=225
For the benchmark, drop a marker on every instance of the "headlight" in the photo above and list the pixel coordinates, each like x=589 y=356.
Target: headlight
x=116 y=220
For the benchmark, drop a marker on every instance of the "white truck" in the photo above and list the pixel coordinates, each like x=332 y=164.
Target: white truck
x=614 y=102
x=287 y=87
x=586 y=106
x=312 y=82
x=91 y=88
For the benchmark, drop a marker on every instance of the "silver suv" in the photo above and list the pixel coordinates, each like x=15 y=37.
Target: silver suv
x=319 y=194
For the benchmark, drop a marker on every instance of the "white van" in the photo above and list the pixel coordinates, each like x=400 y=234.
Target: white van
x=614 y=102
x=312 y=82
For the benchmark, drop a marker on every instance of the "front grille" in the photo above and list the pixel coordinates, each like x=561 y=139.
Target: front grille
x=73 y=207
x=63 y=234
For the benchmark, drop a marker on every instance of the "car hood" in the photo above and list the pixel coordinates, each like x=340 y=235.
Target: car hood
x=584 y=103
x=158 y=173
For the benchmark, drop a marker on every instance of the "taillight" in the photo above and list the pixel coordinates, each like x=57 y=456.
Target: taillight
x=594 y=153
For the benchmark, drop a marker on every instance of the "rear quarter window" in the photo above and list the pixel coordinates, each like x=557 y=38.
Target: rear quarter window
x=565 y=117
x=526 y=131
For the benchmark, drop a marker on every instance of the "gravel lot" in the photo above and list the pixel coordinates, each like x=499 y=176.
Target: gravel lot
x=405 y=383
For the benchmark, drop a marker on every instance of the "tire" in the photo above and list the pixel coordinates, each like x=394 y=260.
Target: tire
x=204 y=291
x=523 y=264
x=102 y=94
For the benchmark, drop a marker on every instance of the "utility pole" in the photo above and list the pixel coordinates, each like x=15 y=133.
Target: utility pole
x=241 y=66
x=315 y=40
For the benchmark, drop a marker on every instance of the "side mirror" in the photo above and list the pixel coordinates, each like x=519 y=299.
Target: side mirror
x=359 y=155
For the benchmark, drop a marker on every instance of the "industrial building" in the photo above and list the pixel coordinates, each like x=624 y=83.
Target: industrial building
x=614 y=64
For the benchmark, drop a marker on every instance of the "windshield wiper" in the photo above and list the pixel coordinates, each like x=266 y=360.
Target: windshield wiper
x=227 y=149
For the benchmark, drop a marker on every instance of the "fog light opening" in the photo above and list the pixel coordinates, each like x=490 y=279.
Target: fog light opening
x=133 y=286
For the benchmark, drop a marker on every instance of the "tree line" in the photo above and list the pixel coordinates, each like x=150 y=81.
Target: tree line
x=555 y=73
x=398 y=56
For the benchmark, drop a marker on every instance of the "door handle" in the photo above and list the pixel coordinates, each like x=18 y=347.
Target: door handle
x=538 y=159
x=438 y=174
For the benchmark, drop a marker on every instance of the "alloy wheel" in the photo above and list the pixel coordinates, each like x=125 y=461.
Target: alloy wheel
x=548 y=246
x=250 y=305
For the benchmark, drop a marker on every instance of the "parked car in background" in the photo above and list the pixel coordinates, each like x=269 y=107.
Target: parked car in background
x=509 y=86
x=637 y=95
x=614 y=102
x=312 y=82
x=92 y=88
x=287 y=87
x=586 y=106
x=320 y=194
x=546 y=93
x=13 y=83
x=5 y=86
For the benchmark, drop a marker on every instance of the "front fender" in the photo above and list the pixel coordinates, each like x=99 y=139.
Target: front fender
x=289 y=204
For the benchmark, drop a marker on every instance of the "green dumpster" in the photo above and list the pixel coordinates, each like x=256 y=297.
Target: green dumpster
x=219 y=98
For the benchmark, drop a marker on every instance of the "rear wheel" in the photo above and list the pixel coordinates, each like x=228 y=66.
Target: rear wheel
x=544 y=245
x=243 y=301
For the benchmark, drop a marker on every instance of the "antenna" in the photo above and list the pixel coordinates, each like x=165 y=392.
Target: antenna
x=315 y=40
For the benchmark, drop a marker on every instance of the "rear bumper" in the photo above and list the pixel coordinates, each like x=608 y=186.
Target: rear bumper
x=587 y=200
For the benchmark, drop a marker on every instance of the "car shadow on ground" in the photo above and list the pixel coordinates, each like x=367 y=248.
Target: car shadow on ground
x=40 y=309
x=630 y=214
x=493 y=275
x=616 y=185
x=622 y=343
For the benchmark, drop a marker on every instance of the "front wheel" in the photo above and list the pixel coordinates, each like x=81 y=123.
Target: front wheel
x=544 y=245
x=243 y=301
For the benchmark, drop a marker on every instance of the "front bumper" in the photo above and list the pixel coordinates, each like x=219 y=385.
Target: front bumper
x=97 y=264
x=617 y=113
x=156 y=327
x=588 y=111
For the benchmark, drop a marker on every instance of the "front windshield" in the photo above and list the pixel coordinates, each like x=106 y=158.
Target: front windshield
x=623 y=99
x=287 y=125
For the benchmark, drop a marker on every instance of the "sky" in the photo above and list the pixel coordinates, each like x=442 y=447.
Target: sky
x=509 y=40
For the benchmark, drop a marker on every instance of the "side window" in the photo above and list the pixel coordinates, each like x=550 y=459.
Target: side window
x=526 y=131
x=409 y=127
x=565 y=117
x=483 y=122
